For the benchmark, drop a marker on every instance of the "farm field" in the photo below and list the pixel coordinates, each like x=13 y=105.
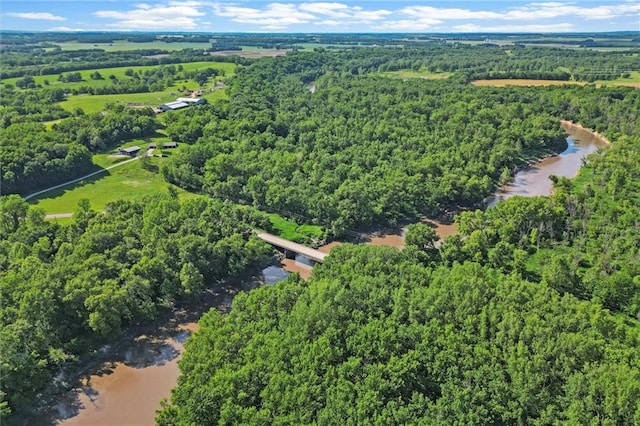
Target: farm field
x=119 y=73
x=129 y=182
x=251 y=52
x=633 y=81
x=422 y=73
x=95 y=103
x=124 y=45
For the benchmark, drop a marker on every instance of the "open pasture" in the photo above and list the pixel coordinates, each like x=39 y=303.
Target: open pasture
x=119 y=73
x=128 y=182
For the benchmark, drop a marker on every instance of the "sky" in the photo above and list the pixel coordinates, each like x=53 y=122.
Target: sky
x=421 y=16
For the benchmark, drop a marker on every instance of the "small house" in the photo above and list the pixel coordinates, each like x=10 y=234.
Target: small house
x=170 y=145
x=151 y=146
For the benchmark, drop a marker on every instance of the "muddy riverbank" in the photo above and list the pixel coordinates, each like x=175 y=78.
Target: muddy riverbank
x=535 y=180
x=129 y=378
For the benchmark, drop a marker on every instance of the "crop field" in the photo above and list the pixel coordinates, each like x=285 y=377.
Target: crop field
x=119 y=73
x=131 y=181
x=120 y=45
x=422 y=73
x=523 y=82
x=633 y=81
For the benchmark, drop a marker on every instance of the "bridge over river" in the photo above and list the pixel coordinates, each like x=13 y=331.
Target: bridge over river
x=290 y=246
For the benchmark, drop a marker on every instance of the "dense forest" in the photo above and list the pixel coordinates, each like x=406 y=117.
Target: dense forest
x=32 y=61
x=374 y=338
x=464 y=334
x=366 y=149
x=32 y=157
x=68 y=288
x=529 y=315
x=270 y=109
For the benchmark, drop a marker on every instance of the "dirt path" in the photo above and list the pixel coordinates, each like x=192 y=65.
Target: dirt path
x=35 y=194
x=58 y=215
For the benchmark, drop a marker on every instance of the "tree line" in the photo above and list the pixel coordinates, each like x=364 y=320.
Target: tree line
x=67 y=289
x=33 y=157
x=366 y=150
x=374 y=338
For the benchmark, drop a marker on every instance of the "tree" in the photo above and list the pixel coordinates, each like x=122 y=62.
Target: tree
x=423 y=237
x=13 y=209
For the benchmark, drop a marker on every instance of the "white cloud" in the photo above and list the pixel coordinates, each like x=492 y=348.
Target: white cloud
x=332 y=10
x=328 y=23
x=65 y=29
x=45 y=16
x=528 y=12
x=283 y=15
x=421 y=12
x=174 y=17
x=402 y=25
x=514 y=28
x=275 y=16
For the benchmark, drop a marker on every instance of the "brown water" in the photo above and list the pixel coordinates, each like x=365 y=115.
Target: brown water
x=128 y=384
x=535 y=179
x=126 y=389
x=129 y=392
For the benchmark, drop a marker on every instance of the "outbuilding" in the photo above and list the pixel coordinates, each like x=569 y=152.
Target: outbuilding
x=170 y=144
x=170 y=106
x=132 y=150
x=192 y=101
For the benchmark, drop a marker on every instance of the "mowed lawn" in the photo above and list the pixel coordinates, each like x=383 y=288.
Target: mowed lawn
x=119 y=73
x=128 y=182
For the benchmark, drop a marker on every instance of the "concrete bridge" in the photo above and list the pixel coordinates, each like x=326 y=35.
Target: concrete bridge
x=290 y=246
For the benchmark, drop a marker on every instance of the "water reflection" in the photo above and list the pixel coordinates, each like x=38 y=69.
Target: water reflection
x=273 y=274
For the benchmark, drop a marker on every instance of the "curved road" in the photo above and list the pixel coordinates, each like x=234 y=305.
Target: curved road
x=28 y=197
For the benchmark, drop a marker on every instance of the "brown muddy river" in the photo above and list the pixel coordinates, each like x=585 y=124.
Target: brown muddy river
x=535 y=179
x=126 y=389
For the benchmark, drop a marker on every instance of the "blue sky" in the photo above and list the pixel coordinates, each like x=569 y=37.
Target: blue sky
x=315 y=16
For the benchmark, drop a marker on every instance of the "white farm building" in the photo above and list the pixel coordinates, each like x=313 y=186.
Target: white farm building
x=193 y=101
x=171 y=106
x=180 y=103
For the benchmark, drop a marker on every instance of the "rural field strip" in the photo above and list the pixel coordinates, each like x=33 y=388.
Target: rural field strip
x=79 y=179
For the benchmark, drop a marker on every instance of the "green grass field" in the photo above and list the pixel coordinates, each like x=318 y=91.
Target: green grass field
x=292 y=231
x=422 y=73
x=106 y=159
x=95 y=103
x=119 y=73
x=128 y=182
x=124 y=45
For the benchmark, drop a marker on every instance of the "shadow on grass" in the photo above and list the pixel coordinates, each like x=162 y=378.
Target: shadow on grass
x=60 y=192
